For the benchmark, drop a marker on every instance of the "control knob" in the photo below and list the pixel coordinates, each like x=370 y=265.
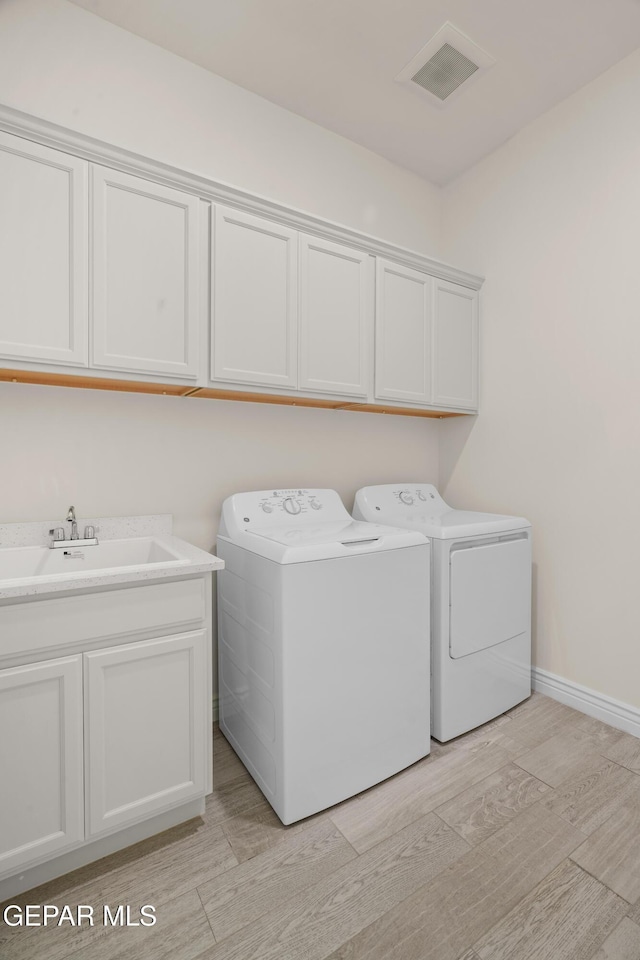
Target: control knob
x=267 y=508
x=406 y=498
x=291 y=506
x=421 y=495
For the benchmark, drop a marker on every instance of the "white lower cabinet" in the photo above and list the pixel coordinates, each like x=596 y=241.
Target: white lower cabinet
x=41 y=780
x=97 y=745
x=145 y=726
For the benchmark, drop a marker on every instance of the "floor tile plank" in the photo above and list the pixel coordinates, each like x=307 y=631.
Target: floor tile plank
x=626 y=752
x=537 y=719
x=180 y=933
x=267 y=883
x=567 y=916
x=560 y=757
x=603 y=735
x=595 y=793
x=485 y=807
x=258 y=829
x=382 y=811
x=326 y=915
x=622 y=944
x=232 y=798
x=227 y=765
x=634 y=913
x=612 y=853
x=437 y=863
x=445 y=918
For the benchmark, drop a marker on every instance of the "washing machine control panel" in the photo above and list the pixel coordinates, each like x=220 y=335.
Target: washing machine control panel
x=266 y=508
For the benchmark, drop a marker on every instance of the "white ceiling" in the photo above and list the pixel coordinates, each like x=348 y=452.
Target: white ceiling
x=334 y=62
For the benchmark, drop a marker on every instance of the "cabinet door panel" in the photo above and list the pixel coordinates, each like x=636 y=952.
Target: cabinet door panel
x=336 y=310
x=455 y=345
x=145 y=275
x=254 y=300
x=403 y=333
x=43 y=253
x=41 y=798
x=145 y=729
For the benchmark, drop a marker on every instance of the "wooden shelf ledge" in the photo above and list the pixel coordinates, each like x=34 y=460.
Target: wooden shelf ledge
x=208 y=393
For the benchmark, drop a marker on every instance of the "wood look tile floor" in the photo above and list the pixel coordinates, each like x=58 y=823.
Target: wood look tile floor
x=518 y=841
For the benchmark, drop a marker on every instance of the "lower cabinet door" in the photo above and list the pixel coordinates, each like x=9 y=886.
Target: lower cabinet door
x=41 y=785
x=145 y=729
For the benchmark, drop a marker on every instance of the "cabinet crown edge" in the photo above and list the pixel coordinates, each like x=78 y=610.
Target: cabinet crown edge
x=61 y=138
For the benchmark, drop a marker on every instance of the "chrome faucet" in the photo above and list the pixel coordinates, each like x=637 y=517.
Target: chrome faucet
x=58 y=536
x=71 y=518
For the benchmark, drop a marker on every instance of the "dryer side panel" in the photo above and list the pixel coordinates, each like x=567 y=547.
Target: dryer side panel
x=490 y=594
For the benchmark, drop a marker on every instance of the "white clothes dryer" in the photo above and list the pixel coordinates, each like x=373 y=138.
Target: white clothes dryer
x=480 y=602
x=323 y=647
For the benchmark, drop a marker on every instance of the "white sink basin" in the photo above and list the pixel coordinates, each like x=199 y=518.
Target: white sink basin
x=36 y=564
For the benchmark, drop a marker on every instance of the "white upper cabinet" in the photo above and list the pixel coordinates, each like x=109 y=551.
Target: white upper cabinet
x=455 y=329
x=145 y=289
x=403 y=333
x=41 y=797
x=43 y=253
x=254 y=300
x=336 y=317
x=118 y=274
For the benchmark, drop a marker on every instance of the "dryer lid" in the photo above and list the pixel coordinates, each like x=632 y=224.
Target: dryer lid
x=456 y=524
x=419 y=506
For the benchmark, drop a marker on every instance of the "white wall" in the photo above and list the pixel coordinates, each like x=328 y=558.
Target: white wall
x=66 y=65
x=123 y=454
x=113 y=454
x=59 y=62
x=118 y=454
x=552 y=220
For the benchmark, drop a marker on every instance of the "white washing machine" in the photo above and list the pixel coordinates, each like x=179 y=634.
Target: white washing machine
x=480 y=602
x=323 y=647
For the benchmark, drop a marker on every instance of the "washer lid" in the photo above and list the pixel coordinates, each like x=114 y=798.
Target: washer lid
x=312 y=534
x=296 y=526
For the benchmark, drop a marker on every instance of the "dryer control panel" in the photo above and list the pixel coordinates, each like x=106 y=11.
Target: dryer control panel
x=402 y=501
x=275 y=508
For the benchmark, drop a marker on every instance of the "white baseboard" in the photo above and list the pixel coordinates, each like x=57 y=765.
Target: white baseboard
x=614 y=712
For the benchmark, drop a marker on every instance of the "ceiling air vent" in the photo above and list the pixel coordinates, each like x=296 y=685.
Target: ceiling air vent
x=445 y=64
x=444 y=72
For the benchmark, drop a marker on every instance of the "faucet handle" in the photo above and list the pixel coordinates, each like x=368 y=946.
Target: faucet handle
x=57 y=533
x=89 y=532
